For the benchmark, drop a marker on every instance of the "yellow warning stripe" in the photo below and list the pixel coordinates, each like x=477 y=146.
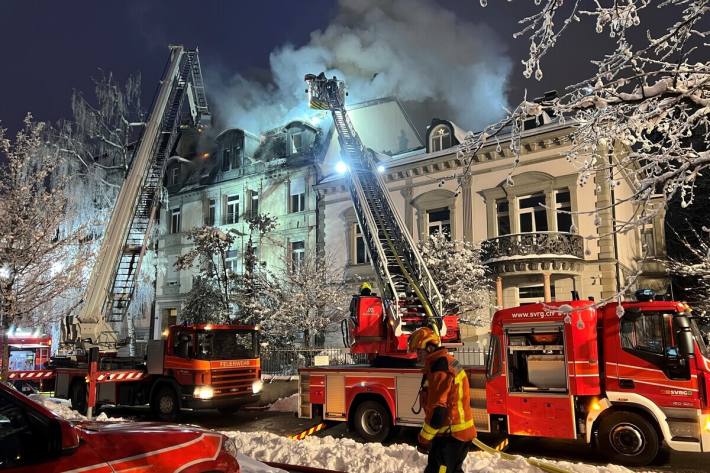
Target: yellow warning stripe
x=308 y=432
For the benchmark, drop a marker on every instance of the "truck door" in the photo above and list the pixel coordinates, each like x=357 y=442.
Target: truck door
x=539 y=402
x=649 y=363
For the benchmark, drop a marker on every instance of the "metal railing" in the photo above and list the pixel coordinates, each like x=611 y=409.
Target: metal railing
x=288 y=361
x=532 y=244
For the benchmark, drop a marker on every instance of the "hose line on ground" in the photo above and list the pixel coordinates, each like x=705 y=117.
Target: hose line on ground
x=544 y=466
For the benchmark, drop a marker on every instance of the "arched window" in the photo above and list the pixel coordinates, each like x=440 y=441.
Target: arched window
x=440 y=138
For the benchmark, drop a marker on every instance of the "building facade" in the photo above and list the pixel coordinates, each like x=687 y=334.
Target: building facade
x=238 y=173
x=545 y=235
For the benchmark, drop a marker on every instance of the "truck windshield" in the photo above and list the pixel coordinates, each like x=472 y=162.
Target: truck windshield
x=226 y=344
x=701 y=337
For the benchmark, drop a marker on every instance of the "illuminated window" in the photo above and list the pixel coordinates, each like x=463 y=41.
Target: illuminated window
x=440 y=138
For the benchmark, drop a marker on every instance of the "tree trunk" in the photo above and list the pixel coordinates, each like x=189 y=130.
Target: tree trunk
x=306 y=338
x=5 y=317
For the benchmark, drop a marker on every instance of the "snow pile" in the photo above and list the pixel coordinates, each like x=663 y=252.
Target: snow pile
x=354 y=457
x=285 y=404
x=62 y=408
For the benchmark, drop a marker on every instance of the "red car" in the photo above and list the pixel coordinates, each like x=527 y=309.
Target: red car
x=34 y=439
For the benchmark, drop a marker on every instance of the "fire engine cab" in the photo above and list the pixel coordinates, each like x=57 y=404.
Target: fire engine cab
x=627 y=378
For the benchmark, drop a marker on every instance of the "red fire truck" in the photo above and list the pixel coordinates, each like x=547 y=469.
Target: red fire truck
x=196 y=366
x=626 y=378
x=34 y=439
x=29 y=356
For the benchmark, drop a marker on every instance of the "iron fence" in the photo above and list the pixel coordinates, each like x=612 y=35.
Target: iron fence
x=288 y=361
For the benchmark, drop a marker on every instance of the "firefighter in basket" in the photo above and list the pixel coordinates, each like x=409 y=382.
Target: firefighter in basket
x=448 y=424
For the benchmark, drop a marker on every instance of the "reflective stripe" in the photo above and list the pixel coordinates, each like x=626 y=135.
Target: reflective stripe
x=429 y=429
x=442 y=469
x=426 y=435
x=459 y=380
x=457 y=427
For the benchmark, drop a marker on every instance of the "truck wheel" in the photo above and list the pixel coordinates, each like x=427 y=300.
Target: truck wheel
x=628 y=438
x=372 y=421
x=165 y=403
x=77 y=395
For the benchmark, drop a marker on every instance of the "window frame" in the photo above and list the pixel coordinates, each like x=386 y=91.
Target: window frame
x=174 y=174
x=442 y=226
x=232 y=200
x=358 y=235
x=211 y=212
x=175 y=224
x=253 y=197
x=437 y=136
x=565 y=206
x=502 y=214
x=298 y=254
x=532 y=211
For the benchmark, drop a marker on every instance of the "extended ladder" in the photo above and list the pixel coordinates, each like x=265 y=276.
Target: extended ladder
x=410 y=294
x=113 y=278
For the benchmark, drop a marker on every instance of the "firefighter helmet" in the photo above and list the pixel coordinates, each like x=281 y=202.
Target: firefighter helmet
x=421 y=337
x=365 y=289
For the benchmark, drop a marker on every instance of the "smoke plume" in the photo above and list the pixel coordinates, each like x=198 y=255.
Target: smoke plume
x=437 y=64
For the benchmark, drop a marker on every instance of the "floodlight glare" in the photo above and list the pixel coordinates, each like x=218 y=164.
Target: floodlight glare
x=380 y=168
x=341 y=167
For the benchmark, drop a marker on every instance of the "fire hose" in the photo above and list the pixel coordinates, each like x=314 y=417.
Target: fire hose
x=544 y=466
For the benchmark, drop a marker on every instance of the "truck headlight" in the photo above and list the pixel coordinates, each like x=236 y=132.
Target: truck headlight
x=257 y=386
x=203 y=392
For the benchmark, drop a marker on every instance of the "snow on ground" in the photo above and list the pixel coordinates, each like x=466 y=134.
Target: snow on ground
x=62 y=407
x=354 y=457
x=285 y=404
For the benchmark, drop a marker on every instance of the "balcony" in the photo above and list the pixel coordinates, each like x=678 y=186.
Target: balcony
x=539 y=245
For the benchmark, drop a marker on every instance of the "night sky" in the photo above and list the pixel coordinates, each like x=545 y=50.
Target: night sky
x=52 y=48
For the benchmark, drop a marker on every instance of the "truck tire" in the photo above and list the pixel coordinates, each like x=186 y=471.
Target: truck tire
x=372 y=421
x=165 y=403
x=628 y=438
x=78 y=396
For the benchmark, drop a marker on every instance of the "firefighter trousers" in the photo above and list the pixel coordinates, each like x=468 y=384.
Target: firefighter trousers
x=446 y=455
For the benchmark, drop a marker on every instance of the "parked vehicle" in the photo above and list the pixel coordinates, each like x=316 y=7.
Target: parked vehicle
x=628 y=379
x=195 y=366
x=34 y=439
x=29 y=357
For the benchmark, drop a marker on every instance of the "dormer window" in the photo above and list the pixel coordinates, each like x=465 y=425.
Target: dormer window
x=440 y=138
x=174 y=175
x=296 y=142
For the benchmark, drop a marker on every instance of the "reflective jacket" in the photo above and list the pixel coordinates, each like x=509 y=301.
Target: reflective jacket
x=446 y=399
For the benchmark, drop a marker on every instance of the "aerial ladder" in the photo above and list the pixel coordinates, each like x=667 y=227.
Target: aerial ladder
x=114 y=276
x=410 y=298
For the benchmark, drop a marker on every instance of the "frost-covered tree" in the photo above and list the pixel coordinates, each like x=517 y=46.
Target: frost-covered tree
x=41 y=258
x=96 y=146
x=204 y=304
x=464 y=282
x=311 y=295
x=649 y=98
x=694 y=270
x=253 y=289
x=209 y=255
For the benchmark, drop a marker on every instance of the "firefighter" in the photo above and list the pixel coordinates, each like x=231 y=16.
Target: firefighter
x=448 y=424
x=366 y=289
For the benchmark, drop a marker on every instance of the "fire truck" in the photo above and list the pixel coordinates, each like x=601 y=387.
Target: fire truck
x=626 y=378
x=193 y=366
x=29 y=357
